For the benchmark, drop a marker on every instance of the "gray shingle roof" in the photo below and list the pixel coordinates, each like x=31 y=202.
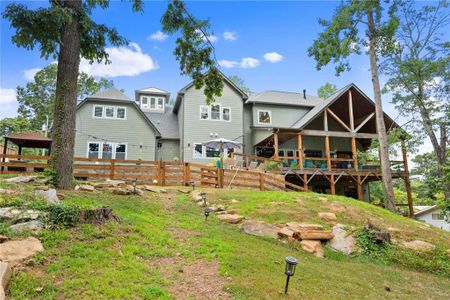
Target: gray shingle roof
x=166 y=123
x=153 y=90
x=284 y=98
x=110 y=94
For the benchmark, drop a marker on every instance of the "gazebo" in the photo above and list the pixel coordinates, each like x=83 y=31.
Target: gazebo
x=28 y=140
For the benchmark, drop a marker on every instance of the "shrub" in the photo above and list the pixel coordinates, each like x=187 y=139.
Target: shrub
x=50 y=173
x=271 y=165
x=61 y=215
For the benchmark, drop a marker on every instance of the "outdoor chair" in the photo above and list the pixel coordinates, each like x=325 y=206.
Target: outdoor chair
x=252 y=166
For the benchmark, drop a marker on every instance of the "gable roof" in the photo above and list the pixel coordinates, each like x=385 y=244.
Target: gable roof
x=110 y=94
x=284 y=98
x=117 y=96
x=166 y=123
x=181 y=92
x=323 y=104
x=426 y=210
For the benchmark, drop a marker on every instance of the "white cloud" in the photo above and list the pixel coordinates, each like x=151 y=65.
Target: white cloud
x=7 y=96
x=125 y=61
x=29 y=74
x=228 y=64
x=230 y=35
x=248 y=62
x=212 y=38
x=158 y=36
x=273 y=57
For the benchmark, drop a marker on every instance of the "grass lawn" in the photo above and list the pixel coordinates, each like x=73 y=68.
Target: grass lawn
x=164 y=249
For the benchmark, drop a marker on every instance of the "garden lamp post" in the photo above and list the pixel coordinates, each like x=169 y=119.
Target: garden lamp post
x=134 y=186
x=207 y=212
x=291 y=263
x=192 y=183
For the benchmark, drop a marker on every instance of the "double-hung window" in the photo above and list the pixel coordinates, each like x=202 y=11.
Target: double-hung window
x=109 y=112
x=204 y=112
x=107 y=150
x=121 y=151
x=226 y=114
x=144 y=102
x=121 y=113
x=198 y=151
x=264 y=117
x=98 y=111
x=94 y=150
x=215 y=112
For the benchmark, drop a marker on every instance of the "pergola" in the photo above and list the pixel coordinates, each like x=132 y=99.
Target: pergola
x=28 y=140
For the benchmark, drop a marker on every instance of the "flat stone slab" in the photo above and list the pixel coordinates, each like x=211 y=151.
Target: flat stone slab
x=31 y=226
x=109 y=183
x=150 y=188
x=297 y=226
x=16 y=251
x=260 y=228
x=285 y=233
x=86 y=188
x=13 y=213
x=5 y=277
x=314 y=235
x=419 y=245
x=196 y=195
x=21 y=179
x=327 y=216
x=8 y=192
x=230 y=218
x=342 y=241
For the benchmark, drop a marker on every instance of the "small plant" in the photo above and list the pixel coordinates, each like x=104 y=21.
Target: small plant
x=61 y=215
x=50 y=173
x=271 y=165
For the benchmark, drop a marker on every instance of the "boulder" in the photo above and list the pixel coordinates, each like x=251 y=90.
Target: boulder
x=42 y=188
x=314 y=247
x=109 y=183
x=213 y=208
x=16 y=251
x=221 y=212
x=285 y=233
x=296 y=226
x=120 y=191
x=342 y=241
x=220 y=207
x=260 y=228
x=327 y=216
x=21 y=179
x=8 y=192
x=150 y=188
x=230 y=218
x=314 y=235
x=18 y=215
x=419 y=245
x=49 y=195
x=196 y=195
x=337 y=207
x=61 y=196
x=5 y=277
x=86 y=188
x=31 y=226
x=184 y=191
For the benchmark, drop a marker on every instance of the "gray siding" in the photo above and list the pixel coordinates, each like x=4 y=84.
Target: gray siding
x=181 y=129
x=282 y=116
x=199 y=131
x=133 y=131
x=169 y=151
x=248 y=122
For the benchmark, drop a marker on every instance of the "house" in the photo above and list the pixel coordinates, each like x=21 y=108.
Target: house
x=432 y=215
x=319 y=142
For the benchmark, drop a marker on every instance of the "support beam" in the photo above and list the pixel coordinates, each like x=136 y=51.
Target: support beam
x=359 y=188
x=350 y=111
x=354 y=154
x=305 y=182
x=327 y=152
x=300 y=150
x=312 y=132
x=407 y=181
x=275 y=145
x=338 y=119
x=364 y=122
x=332 y=186
x=325 y=120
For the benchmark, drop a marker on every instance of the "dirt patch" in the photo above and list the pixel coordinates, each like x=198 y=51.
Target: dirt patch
x=192 y=280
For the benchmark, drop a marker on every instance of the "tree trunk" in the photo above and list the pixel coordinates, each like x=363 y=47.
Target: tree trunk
x=381 y=127
x=66 y=98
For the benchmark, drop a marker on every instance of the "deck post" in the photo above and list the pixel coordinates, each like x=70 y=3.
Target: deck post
x=275 y=145
x=305 y=182
x=261 y=181
x=332 y=186
x=327 y=152
x=407 y=181
x=359 y=187
x=300 y=150
x=354 y=154
x=112 y=169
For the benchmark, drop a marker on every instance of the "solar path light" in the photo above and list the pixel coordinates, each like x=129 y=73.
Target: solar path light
x=207 y=212
x=192 y=183
x=291 y=263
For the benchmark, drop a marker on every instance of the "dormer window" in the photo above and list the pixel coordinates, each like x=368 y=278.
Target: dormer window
x=152 y=103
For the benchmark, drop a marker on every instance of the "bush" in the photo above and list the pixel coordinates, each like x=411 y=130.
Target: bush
x=61 y=215
x=271 y=165
x=50 y=173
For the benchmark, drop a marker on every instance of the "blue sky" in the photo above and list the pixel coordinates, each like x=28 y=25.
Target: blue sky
x=265 y=43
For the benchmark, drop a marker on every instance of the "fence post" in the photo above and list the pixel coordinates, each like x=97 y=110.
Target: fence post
x=219 y=178
x=158 y=173
x=163 y=174
x=187 y=173
x=112 y=169
x=261 y=181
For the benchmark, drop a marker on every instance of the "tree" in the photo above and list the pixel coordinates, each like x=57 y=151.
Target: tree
x=326 y=90
x=239 y=82
x=37 y=98
x=64 y=30
x=10 y=126
x=341 y=38
x=419 y=73
x=426 y=167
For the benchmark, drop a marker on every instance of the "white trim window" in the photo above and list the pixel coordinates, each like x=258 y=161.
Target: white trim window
x=144 y=102
x=155 y=103
x=226 y=114
x=121 y=113
x=97 y=111
x=198 y=150
x=215 y=112
x=204 y=112
x=264 y=117
x=109 y=112
x=107 y=150
x=211 y=152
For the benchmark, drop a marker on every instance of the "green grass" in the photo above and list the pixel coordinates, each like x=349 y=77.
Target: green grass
x=117 y=260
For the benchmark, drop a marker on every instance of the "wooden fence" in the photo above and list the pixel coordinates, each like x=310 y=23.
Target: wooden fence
x=151 y=172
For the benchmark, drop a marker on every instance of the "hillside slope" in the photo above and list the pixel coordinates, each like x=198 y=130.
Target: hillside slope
x=164 y=249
